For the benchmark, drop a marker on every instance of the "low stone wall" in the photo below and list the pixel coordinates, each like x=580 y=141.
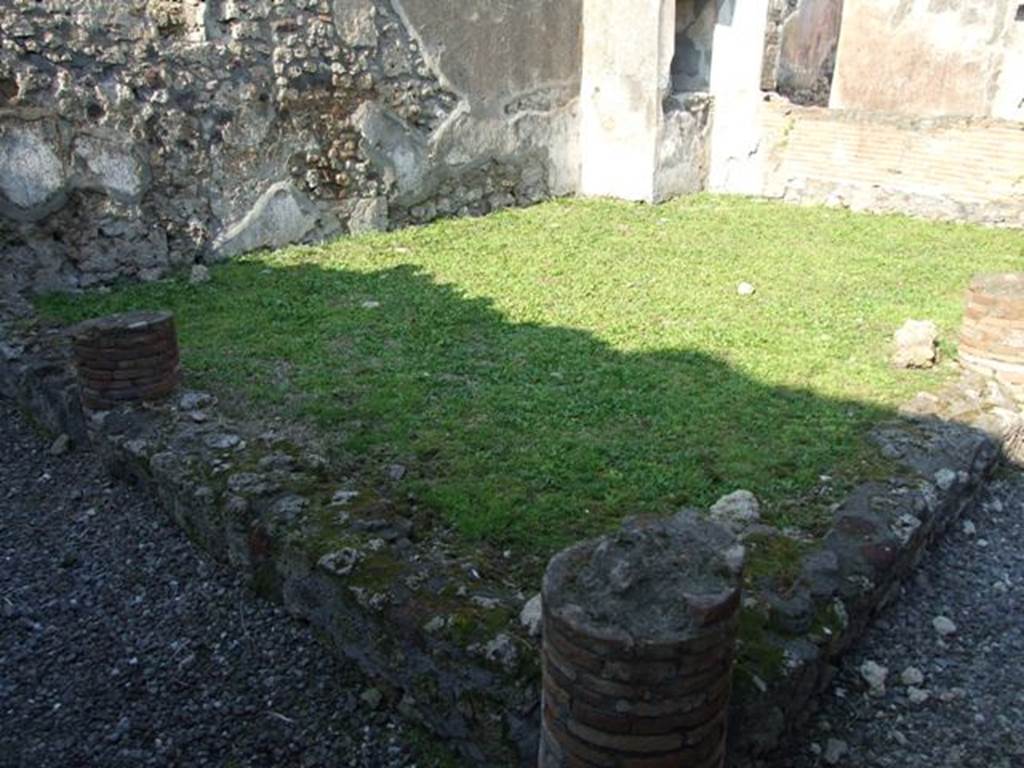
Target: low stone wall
x=948 y=168
x=445 y=631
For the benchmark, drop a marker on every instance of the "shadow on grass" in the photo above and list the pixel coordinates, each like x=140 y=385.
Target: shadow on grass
x=521 y=435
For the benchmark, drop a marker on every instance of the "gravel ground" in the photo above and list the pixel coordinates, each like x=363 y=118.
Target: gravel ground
x=120 y=645
x=954 y=699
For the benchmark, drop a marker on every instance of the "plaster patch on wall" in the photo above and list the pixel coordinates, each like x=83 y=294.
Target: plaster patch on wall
x=396 y=148
x=280 y=216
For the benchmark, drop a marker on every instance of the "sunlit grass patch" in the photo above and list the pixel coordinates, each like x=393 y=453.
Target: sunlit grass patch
x=542 y=373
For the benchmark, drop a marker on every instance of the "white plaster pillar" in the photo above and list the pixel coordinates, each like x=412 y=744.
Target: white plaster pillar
x=627 y=53
x=1008 y=101
x=736 y=60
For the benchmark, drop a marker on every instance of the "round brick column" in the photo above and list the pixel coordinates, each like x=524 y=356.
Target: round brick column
x=638 y=647
x=126 y=358
x=992 y=336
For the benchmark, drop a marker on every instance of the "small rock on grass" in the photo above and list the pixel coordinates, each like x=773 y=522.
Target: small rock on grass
x=199 y=274
x=916 y=344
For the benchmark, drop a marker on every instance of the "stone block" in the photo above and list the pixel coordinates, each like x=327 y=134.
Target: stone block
x=916 y=344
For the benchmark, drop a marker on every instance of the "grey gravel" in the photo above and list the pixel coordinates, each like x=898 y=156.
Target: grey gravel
x=120 y=645
x=959 y=700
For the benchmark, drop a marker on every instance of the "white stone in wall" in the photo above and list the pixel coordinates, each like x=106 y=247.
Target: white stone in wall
x=31 y=173
x=110 y=168
x=355 y=22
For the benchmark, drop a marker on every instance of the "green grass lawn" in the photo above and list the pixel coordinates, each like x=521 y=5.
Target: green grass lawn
x=544 y=372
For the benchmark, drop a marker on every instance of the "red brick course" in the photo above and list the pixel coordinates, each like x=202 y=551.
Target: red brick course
x=992 y=335
x=126 y=358
x=621 y=697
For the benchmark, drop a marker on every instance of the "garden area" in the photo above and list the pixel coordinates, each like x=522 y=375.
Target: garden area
x=533 y=377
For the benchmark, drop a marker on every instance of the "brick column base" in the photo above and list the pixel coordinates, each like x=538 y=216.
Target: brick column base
x=992 y=336
x=126 y=358
x=638 y=647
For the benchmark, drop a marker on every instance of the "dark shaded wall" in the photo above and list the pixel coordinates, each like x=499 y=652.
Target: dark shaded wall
x=800 y=49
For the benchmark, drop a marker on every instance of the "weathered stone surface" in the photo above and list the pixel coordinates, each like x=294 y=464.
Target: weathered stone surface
x=493 y=54
x=973 y=43
x=356 y=22
x=368 y=215
x=394 y=145
x=108 y=166
x=800 y=49
x=683 y=149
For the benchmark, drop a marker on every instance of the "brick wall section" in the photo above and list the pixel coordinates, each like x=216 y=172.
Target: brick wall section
x=992 y=336
x=126 y=358
x=621 y=686
x=960 y=169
